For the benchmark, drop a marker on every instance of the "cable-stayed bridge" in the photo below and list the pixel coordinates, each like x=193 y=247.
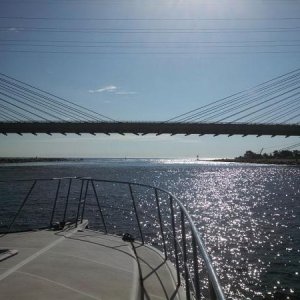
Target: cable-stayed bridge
x=270 y=108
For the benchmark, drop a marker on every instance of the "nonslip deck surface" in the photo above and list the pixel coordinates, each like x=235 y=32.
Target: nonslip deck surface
x=83 y=265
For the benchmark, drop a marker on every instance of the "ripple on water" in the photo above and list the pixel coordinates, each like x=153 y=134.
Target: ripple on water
x=249 y=217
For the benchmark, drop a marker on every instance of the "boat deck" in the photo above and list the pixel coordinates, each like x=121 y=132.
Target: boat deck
x=83 y=264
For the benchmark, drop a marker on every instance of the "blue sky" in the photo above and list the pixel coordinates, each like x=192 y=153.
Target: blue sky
x=138 y=75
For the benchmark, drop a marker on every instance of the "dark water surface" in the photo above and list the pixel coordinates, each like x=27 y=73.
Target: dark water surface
x=249 y=215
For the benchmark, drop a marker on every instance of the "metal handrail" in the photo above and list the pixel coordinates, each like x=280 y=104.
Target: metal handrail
x=215 y=290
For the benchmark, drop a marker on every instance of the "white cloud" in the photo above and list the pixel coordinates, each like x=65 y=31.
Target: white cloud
x=113 y=90
x=108 y=89
x=125 y=93
x=14 y=29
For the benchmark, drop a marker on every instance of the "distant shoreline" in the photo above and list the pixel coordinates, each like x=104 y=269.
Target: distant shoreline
x=274 y=161
x=264 y=161
x=12 y=160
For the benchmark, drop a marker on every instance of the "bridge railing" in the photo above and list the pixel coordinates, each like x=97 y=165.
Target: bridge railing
x=150 y=214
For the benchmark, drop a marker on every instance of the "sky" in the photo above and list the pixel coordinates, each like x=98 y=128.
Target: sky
x=146 y=60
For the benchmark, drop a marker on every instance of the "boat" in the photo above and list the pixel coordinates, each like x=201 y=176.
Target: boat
x=86 y=238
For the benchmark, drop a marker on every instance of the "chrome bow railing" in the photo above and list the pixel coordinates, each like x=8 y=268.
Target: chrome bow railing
x=151 y=214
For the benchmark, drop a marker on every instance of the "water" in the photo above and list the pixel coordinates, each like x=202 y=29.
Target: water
x=249 y=215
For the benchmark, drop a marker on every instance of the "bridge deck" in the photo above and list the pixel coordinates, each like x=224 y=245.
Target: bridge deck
x=150 y=128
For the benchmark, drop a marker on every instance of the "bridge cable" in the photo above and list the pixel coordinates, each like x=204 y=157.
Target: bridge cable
x=33 y=99
x=292 y=118
x=237 y=102
x=79 y=108
x=278 y=111
x=23 y=109
x=283 y=115
x=7 y=117
x=253 y=106
x=47 y=98
x=228 y=108
x=32 y=106
x=275 y=110
x=11 y=110
x=220 y=101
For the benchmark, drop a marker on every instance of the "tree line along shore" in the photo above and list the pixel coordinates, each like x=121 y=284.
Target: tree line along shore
x=7 y=160
x=283 y=157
